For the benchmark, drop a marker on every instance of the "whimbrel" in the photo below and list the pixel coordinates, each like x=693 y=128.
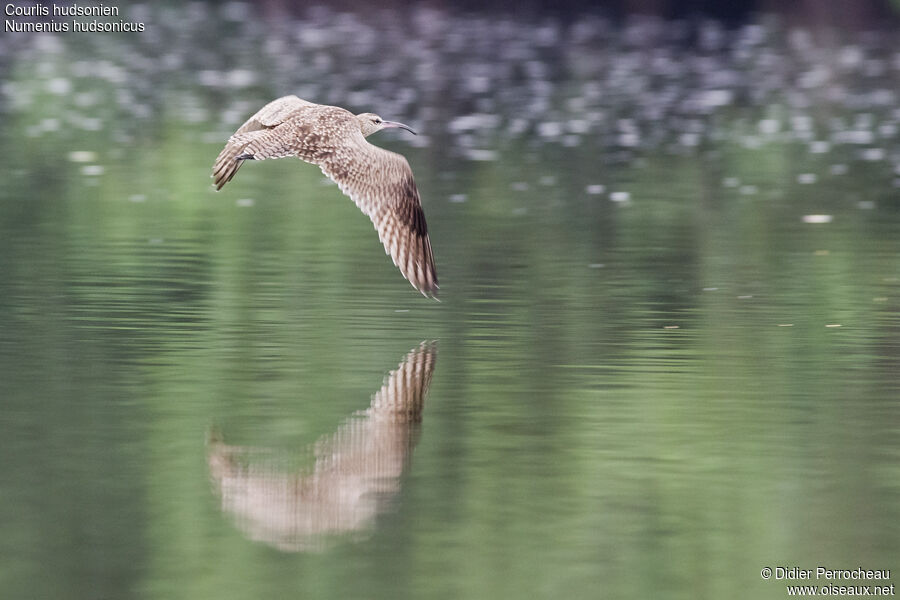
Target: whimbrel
x=380 y=182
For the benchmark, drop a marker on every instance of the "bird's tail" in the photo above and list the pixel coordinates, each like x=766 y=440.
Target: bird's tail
x=227 y=164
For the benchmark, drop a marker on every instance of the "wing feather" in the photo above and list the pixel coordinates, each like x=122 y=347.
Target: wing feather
x=274 y=113
x=284 y=127
x=381 y=184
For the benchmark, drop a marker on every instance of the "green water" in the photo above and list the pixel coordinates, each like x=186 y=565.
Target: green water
x=649 y=398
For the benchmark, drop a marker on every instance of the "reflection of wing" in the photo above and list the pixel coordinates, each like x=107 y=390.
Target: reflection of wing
x=400 y=398
x=356 y=469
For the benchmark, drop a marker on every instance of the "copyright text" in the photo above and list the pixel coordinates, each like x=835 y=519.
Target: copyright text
x=832 y=582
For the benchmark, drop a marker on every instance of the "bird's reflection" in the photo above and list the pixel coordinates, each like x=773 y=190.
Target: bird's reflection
x=356 y=470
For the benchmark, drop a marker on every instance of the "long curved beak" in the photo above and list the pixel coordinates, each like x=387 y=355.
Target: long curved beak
x=390 y=124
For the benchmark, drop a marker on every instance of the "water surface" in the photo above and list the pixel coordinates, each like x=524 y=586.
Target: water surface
x=667 y=352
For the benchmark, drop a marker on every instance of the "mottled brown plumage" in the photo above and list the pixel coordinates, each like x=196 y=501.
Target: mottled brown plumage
x=378 y=181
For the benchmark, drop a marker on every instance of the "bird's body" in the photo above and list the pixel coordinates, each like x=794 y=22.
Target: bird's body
x=380 y=182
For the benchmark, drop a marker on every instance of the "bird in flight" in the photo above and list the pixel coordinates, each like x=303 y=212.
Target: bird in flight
x=380 y=182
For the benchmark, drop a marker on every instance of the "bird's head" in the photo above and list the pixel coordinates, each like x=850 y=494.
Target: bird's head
x=369 y=123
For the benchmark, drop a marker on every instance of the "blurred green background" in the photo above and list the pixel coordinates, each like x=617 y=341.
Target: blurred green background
x=668 y=347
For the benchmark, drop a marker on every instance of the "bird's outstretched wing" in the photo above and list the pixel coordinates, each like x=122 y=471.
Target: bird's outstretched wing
x=270 y=133
x=275 y=113
x=380 y=182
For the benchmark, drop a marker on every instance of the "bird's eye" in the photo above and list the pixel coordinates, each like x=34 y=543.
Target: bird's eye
x=377 y=121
